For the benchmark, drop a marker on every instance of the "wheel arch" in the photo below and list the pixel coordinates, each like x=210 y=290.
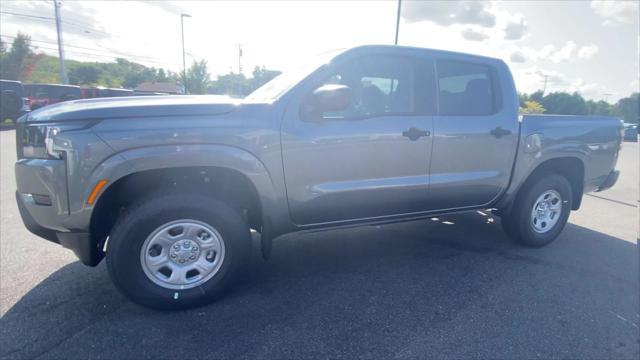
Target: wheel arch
x=231 y=173
x=570 y=167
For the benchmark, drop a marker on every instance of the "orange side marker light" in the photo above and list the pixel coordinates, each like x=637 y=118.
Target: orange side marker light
x=96 y=190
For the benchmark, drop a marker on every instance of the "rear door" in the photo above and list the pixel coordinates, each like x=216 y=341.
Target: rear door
x=475 y=133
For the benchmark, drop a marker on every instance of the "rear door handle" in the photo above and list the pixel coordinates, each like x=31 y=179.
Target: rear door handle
x=499 y=132
x=414 y=134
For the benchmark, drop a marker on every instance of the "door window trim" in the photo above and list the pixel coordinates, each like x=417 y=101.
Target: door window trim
x=415 y=59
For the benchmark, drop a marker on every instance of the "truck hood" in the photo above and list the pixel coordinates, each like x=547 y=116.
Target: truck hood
x=134 y=106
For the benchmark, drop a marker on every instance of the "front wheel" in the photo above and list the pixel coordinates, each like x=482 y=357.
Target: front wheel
x=177 y=251
x=540 y=212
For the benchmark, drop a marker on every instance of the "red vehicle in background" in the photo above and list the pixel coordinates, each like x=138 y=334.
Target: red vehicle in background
x=46 y=94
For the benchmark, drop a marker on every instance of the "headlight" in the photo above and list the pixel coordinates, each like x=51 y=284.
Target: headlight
x=46 y=141
x=37 y=142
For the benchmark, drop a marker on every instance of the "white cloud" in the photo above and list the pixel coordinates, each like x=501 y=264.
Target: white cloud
x=517 y=57
x=616 y=11
x=515 y=29
x=474 y=35
x=172 y=7
x=587 y=52
x=551 y=53
x=533 y=79
x=450 y=12
x=565 y=53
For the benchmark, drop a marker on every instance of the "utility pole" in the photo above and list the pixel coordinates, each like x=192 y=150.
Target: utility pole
x=63 y=69
x=239 y=58
x=184 y=59
x=544 y=89
x=398 y=21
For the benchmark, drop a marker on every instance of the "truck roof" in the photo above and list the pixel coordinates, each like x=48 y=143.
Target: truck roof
x=402 y=48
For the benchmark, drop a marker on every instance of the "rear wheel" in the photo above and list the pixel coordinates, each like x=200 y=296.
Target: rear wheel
x=177 y=251
x=540 y=212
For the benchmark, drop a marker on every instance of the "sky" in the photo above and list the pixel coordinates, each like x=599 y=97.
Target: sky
x=587 y=46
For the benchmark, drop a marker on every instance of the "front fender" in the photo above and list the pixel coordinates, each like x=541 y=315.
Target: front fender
x=136 y=160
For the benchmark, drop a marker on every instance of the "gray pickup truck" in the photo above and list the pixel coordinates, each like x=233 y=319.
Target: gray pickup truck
x=169 y=188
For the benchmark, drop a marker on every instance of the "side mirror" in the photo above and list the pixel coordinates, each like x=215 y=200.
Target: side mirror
x=327 y=98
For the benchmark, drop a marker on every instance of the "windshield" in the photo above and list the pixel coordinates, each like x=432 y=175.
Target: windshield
x=285 y=81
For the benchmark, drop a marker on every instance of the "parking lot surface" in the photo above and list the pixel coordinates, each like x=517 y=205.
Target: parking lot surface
x=449 y=287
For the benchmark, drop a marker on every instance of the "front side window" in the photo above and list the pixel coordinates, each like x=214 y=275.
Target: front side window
x=465 y=89
x=380 y=86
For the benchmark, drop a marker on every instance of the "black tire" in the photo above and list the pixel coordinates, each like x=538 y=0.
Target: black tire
x=139 y=221
x=517 y=224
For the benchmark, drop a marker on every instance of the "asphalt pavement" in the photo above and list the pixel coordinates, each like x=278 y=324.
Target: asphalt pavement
x=452 y=287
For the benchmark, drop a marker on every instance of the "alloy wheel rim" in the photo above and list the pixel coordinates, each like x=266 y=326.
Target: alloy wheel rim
x=182 y=254
x=546 y=211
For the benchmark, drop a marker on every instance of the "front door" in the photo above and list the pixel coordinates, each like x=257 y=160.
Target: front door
x=371 y=159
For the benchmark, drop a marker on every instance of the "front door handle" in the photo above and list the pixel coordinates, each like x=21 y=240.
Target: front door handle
x=499 y=132
x=414 y=134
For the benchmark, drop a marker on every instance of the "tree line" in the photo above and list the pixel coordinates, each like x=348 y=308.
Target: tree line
x=562 y=103
x=21 y=62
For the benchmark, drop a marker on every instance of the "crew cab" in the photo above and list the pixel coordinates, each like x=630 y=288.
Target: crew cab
x=169 y=188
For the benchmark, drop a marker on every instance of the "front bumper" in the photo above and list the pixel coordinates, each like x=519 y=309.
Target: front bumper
x=610 y=180
x=80 y=243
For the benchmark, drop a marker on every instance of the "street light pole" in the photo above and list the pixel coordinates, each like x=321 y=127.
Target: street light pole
x=398 y=21
x=239 y=58
x=184 y=59
x=63 y=69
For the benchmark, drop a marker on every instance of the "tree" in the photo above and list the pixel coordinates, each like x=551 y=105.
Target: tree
x=532 y=107
x=231 y=84
x=30 y=64
x=198 y=78
x=86 y=74
x=262 y=76
x=536 y=96
x=137 y=74
x=13 y=62
x=561 y=103
x=161 y=77
x=598 y=108
x=628 y=108
x=522 y=98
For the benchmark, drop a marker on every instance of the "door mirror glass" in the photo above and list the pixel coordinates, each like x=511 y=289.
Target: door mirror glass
x=328 y=98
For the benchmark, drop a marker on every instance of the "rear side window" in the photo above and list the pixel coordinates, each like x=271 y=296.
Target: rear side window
x=466 y=89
